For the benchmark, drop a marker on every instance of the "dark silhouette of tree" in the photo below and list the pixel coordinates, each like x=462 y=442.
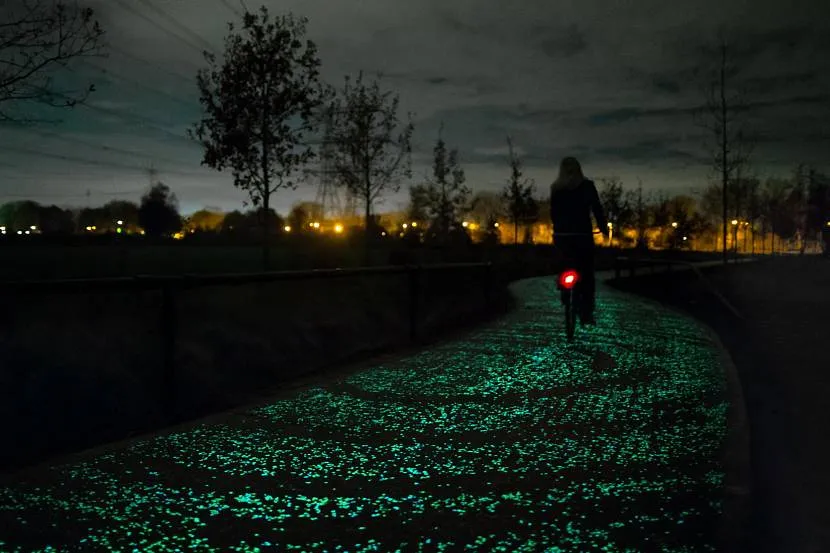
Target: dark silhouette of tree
x=616 y=203
x=55 y=220
x=775 y=208
x=418 y=208
x=158 y=214
x=722 y=118
x=446 y=196
x=486 y=208
x=20 y=215
x=38 y=37
x=236 y=223
x=370 y=147
x=298 y=218
x=121 y=210
x=518 y=194
x=259 y=103
x=206 y=220
x=95 y=218
x=818 y=201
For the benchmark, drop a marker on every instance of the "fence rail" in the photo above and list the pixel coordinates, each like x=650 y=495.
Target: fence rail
x=171 y=286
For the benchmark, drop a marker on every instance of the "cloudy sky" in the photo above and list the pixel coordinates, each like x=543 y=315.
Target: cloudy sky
x=612 y=82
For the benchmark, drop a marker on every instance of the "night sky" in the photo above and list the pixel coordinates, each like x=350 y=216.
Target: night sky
x=610 y=82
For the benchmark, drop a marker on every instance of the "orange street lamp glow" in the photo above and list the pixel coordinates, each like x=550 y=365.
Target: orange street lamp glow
x=674 y=224
x=414 y=224
x=465 y=224
x=287 y=228
x=404 y=226
x=338 y=228
x=316 y=225
x=734 y=221
x=496 y=225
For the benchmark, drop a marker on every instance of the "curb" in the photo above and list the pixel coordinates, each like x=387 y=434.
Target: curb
x=733 y=527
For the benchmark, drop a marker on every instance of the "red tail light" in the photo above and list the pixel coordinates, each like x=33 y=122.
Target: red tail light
x=568 y=279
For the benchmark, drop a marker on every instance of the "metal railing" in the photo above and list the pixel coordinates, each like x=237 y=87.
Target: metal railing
x=172 y=286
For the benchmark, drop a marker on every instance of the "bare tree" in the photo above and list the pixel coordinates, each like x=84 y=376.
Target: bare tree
x=371 y=147
x=446 y=196
x=259 y=101
x=722 y=117
x=38 y=37
x=518 y=193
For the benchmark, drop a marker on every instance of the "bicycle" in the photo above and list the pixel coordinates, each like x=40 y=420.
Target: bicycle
x=566 y=283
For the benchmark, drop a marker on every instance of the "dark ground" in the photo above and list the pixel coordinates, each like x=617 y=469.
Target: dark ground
x=781 y=352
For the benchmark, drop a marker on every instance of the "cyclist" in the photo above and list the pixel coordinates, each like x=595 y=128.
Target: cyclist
x=572 y=199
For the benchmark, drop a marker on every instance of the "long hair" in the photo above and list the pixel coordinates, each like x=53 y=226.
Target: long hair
x=570 y=174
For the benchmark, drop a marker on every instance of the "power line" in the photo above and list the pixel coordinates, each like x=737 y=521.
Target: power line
x=138 y=84
x=81 y=160
x=133 y=57
x=176 y=23
x=75 y=140
x=231 y=8
x=154 y=23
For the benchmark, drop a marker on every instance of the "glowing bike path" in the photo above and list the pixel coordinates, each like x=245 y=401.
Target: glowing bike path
x=506 y=440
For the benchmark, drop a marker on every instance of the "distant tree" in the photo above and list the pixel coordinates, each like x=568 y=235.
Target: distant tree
x=20 y=215
x=236 y=223
x=259 y=103
x=616 y=203
x=298 y=218
x=121 y=210
x=446 y=196
x=818 y=201
x=418 y=208
x=776 y=210
x=158 y=214
x=486 y=208
x=518 y=194
x=54 y=220
x=96 y=218
x=206 y=220
x=370 y=146
x=312 y=210
x=723 y=118
x=38 y=38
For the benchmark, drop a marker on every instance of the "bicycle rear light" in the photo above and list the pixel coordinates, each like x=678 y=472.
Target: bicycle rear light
x=568 y=279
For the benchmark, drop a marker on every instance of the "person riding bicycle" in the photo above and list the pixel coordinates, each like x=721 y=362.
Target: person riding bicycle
x=572 y=199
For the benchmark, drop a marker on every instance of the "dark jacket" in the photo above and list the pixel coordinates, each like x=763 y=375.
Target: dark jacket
x=571 y=207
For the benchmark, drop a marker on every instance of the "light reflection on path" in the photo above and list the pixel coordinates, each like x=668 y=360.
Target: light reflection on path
x=507 y=440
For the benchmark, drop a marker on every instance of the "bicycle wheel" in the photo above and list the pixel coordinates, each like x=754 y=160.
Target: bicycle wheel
x=570 y=314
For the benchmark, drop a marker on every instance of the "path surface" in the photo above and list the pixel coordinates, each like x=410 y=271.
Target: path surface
x=506 y=440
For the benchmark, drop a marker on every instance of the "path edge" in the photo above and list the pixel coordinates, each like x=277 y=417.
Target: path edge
x=733 y=526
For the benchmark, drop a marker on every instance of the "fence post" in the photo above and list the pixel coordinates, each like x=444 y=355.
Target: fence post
x=168 y=338
x=414 y=296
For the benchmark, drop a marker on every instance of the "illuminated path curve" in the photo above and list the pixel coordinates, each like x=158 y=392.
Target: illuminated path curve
x=507 y=440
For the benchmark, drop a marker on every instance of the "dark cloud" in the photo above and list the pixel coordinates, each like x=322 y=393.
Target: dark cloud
x=614 y=83
x=564 y=43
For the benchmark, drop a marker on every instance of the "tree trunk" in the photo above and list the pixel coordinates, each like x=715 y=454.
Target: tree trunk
x=367 y=244
x=266 y=234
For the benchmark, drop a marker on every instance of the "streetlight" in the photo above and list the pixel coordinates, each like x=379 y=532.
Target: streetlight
x=414 y=224
x=287 y=228
x=33 y=227
x=674 y=224
x=120 y=222
x=496 y=225
x=465 y=224
x=404 y=226
x=734 y=222
x=316 y=225
x=338 y=228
